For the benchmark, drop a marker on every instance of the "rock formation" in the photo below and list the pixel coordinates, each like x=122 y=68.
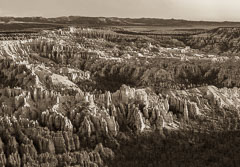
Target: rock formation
x=88 y=97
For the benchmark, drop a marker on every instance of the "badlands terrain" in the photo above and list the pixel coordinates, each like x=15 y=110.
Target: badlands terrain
x=118 y=95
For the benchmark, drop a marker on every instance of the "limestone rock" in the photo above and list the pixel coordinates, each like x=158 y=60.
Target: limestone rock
x=14 y=159
x=55 y=120
x=59 y=143
x=185 y=112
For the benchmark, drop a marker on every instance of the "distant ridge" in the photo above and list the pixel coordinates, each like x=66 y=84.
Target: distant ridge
x=115 y=21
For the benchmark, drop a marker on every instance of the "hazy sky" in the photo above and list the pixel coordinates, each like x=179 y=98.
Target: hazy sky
x=180 y=9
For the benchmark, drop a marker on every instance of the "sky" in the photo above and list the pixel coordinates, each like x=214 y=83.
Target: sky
x=211 y=10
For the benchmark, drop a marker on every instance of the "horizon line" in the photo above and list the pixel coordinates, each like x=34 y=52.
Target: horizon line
x=182 y=19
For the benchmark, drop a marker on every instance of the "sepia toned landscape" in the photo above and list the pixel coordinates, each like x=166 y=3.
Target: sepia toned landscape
x=119 y=92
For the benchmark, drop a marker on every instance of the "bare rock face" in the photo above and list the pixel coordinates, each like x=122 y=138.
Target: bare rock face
x=69 y=141
x=101 y=125
x=129 y=95
x=202 y=99
x=185 y=107
x=86 y=127
x=59 y=143
x=112 y=125
x=168 y=117
x=108 y=98
x=14 y=160
x=29 y=149
x=193 y=108
x=55 y=120
x=160 y=123
x=141 y=97
x=45 y=145
x=185 y=111
x=125 y=94
x=139 y=121
x=3 y=159
x=166 y=105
